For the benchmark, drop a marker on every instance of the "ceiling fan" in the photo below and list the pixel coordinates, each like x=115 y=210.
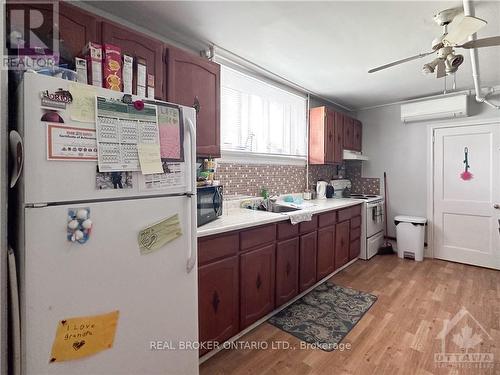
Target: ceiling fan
x=447 y=61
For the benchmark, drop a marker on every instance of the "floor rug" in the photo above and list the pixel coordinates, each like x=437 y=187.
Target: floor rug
x=324 y=316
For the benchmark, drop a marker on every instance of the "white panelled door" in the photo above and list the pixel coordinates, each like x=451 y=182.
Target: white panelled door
x=467 y=212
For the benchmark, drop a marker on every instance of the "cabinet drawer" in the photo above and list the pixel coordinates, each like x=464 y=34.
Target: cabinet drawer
x=356 y=210
x=257 y=236
x=309 y=226
x=287 y=230
x=327 y=219
x=216 y=247
x=355 y=233
x=344 y=214
x=356 y=222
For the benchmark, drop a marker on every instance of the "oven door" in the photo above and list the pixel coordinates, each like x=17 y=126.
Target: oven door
x=374 y=218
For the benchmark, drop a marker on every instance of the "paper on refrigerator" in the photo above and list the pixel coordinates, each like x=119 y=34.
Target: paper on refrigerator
x=83 y=336
x=155 y=236
x=82 y=108
x=120 y=129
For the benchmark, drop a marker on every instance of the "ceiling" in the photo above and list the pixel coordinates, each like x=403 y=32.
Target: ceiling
x=326 y=47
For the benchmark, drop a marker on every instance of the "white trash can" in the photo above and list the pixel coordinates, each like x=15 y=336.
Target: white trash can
x=410 y=234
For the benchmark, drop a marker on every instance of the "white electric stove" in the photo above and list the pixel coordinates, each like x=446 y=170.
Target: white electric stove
x=372 y=218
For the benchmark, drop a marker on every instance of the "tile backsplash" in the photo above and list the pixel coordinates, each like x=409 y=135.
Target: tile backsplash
x=249 y=179
x=361 y=185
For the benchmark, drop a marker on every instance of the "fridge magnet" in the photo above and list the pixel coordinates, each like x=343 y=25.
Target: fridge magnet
x=57 y=99
x=113 y=180
x=158 y=235
x=66 y=143
x=52 y=116
x=139 y=105
x=79 y=225
x=466 y=175
x=83 y=336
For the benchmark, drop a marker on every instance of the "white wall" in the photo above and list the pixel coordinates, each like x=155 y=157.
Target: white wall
x=401 y=151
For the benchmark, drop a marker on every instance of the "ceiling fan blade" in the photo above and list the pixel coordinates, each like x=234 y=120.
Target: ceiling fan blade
x=468 y=26
x=440 y=69
x=484 y=42
x=400 y=62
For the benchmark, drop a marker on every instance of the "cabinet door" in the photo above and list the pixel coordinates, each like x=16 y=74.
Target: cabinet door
x=348 y=133
x=195 y=82
x=307 y=260
x=357 y=135
x=326 y=252
x=76 y=27
x=218 y=300
x=329 y=137
x=139 y=46
x=342 y=243
x=338 y=134
x=257 y=284
x=354 y=249
x=287 y=270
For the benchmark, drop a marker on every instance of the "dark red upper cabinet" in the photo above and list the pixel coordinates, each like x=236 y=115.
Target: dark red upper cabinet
x=76 y=29
x=357 y=135
x=139 y=46
x=338 y=134
x=195 y=82
x=348 y=133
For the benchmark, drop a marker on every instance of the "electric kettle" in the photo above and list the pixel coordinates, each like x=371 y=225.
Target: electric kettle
x=321 y=189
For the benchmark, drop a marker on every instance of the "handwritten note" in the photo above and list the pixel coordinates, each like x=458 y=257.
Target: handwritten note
x=83 y=336
x=149 y=158
x=82 y=108
x=154 y=237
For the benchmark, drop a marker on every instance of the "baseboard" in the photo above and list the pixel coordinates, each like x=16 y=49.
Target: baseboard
x=265 y=318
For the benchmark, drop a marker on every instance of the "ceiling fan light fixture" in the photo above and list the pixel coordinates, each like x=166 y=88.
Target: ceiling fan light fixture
x=453 y=62
x=430 y=67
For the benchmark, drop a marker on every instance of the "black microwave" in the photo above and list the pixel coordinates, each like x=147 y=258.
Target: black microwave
x=209 y=204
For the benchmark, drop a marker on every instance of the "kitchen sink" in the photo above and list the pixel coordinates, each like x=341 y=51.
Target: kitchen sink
x=280 y=209
x=276 y=208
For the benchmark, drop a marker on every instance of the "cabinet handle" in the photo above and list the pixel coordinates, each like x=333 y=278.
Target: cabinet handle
x=215 y=301
x=197 y=105
x=258 y=283
x=496 y=206
x=288 y=268
x=330 y=136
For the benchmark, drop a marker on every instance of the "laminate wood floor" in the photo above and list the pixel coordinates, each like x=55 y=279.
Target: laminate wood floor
x=398 y=335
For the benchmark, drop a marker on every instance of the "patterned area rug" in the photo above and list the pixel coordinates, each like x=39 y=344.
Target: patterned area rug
x=324 y=316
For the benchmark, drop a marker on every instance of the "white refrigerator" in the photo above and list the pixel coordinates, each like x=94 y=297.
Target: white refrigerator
x=155 y=293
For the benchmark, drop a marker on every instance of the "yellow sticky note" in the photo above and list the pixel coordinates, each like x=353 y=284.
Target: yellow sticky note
x=154 y=237
x=149 y=158
x=83 y=336
x=82 y=108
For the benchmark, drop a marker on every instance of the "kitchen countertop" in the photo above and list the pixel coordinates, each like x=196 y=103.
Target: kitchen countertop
x=244 y=218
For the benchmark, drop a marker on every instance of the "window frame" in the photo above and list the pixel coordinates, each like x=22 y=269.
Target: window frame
x=255 y=157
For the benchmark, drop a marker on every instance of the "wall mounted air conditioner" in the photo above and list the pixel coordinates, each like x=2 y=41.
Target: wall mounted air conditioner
x=438 y=108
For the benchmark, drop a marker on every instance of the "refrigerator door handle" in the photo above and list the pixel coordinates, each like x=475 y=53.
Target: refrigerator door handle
x=193 y=240
x=17 y=154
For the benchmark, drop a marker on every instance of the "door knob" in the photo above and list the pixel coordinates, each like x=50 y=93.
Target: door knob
x=496 y=206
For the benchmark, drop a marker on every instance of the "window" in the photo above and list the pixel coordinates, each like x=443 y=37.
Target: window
x=261 y=118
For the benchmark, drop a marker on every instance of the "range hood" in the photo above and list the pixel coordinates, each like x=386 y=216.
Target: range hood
x=354 y=155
